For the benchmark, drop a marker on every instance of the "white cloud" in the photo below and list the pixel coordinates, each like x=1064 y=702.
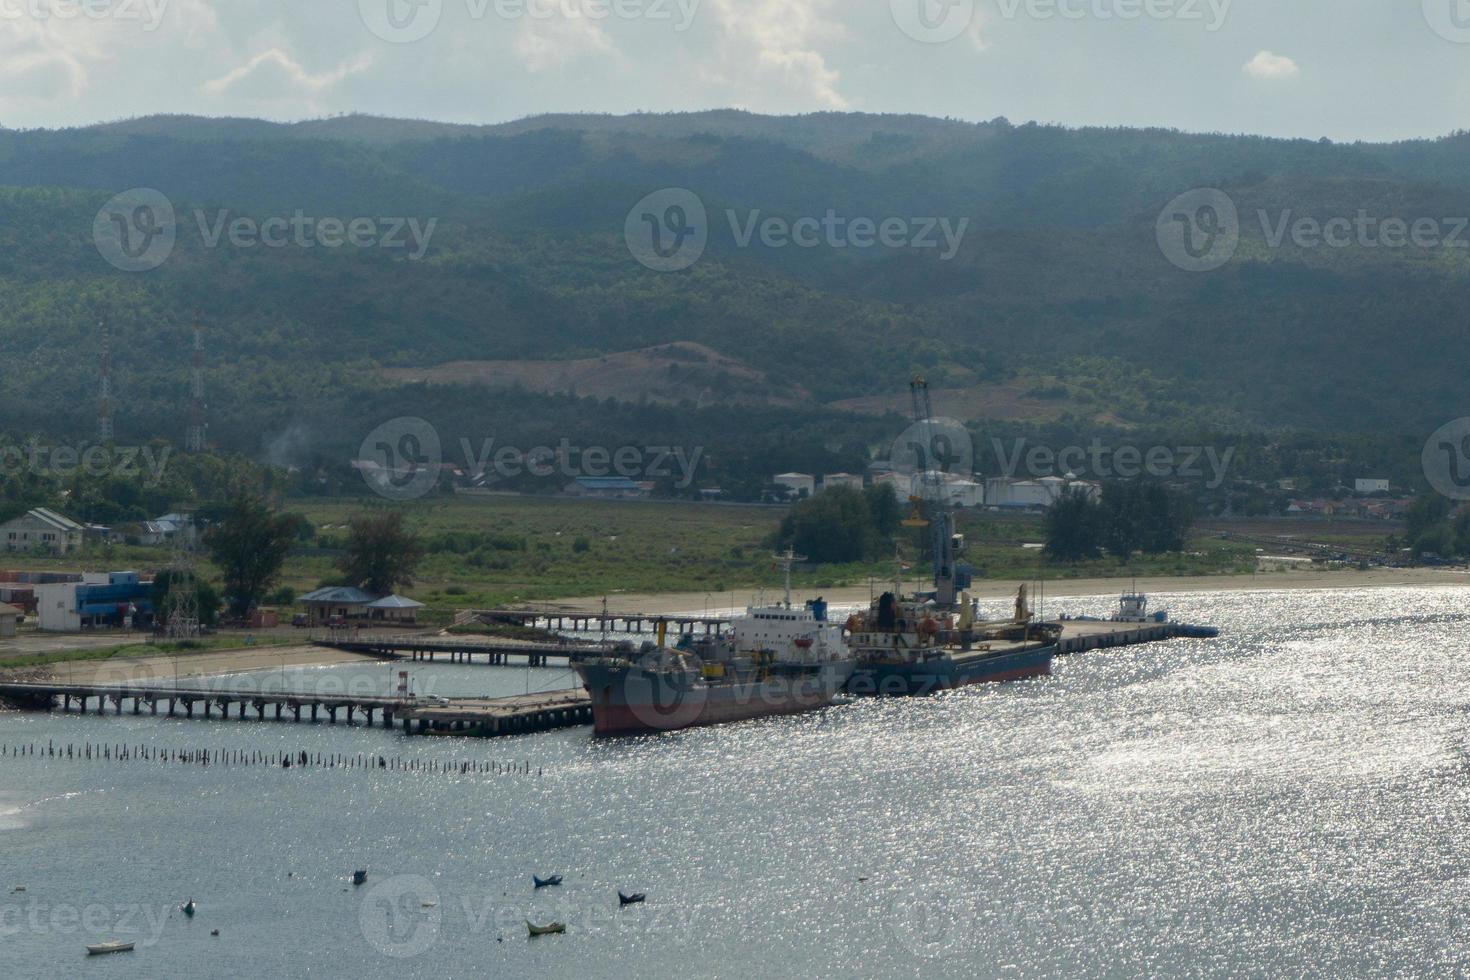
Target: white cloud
x=551 y=43
x=274 y=75
x=767 y=56
x=1271 y=66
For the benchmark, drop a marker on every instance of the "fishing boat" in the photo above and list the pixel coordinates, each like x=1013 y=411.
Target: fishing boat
x=637 y=898
x=776 y=659
x=116 y=946
x=550 y=882
x=359 y=876
x=550 y=929
x=189 y=908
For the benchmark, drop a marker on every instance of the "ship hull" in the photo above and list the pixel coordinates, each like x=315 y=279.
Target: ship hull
x=629 y=700
x=880 y=678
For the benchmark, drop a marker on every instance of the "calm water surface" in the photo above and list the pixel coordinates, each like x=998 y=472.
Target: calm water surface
x=1288 y=799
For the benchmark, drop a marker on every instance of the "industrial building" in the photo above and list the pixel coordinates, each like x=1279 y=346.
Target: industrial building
x=101 y=600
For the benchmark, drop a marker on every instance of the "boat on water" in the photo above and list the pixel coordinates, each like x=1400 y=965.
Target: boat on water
x=776 y=659
x=550 y=881
x=102 y=949
x=551 y=929
x=926 y=642
x=907 y=646
x=1133 y=608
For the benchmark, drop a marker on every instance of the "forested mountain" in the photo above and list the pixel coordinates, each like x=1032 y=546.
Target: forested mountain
x=1058 y=301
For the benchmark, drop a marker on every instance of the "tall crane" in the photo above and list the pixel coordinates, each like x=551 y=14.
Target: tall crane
x=949 y=576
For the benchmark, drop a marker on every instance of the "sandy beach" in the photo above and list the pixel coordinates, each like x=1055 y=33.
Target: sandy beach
x=176 y=666
x=1378 y=578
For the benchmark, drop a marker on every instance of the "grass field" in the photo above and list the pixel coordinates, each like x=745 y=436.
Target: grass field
x=495 y=550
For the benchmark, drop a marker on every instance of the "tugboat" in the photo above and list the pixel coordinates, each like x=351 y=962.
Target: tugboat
x=776 y=660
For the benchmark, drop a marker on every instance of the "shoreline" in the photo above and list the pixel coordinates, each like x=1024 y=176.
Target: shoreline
x=692 y=603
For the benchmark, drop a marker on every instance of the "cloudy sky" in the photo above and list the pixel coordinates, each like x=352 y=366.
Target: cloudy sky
x=1345 y=69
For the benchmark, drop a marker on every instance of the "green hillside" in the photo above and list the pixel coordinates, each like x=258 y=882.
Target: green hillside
x=1059 y=285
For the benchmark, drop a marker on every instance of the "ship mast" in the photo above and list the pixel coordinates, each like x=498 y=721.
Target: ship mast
x=787 y=560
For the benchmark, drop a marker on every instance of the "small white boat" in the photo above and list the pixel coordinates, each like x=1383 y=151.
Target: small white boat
x=101 y=949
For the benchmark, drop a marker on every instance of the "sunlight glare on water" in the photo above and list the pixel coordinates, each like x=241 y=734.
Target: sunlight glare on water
x=1287 y=799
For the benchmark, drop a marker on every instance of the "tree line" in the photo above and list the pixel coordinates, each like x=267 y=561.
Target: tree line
x=1126 y=518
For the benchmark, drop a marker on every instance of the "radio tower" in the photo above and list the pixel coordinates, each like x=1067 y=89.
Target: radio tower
x=194 y=440
x=104 y=405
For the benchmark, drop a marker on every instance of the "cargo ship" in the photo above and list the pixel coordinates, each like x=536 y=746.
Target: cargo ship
x=776 y=659
x=915 y=646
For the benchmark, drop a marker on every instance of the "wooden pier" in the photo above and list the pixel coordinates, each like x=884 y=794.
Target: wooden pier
x=1080 y=635
x=489 y=651
x=478 y=716
x=580 y=622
